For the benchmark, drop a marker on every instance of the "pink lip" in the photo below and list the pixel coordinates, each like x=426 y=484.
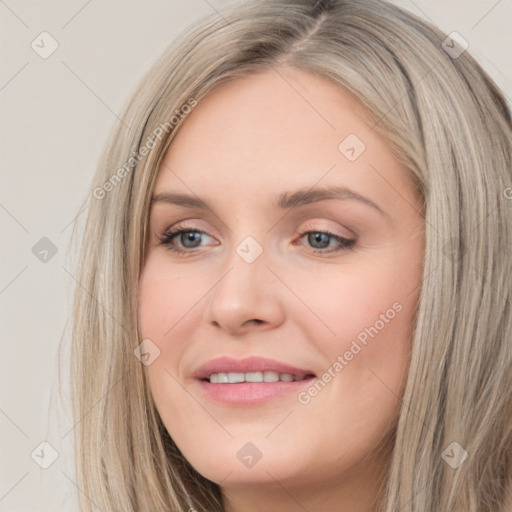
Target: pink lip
x=249 y=393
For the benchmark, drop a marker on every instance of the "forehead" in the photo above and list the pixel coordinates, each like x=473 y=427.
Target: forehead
x=274 y=131
x=267 y=113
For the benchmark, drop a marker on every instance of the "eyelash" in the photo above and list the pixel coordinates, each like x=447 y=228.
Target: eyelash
x=169 y=234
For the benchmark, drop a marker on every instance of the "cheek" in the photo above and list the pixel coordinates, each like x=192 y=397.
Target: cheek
x=366 y=357
x=169 y=309
x=366 y=318
x=166 y=299
x=354 y=302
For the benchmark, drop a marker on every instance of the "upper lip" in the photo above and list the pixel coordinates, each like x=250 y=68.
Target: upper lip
x=249 y=364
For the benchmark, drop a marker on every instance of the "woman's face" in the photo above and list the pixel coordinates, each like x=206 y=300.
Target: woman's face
x=262 y=279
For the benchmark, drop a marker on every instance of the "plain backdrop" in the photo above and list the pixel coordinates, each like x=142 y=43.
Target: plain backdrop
x=56 y=113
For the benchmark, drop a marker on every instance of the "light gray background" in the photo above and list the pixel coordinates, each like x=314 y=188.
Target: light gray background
x=56 y=114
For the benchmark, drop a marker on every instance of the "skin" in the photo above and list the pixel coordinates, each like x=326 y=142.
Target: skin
x=250 y=140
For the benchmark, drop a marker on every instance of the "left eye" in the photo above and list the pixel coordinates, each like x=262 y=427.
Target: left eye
x=190 y=239
x=321 y=237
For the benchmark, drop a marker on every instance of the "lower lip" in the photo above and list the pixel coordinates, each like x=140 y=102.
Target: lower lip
x=251 y=393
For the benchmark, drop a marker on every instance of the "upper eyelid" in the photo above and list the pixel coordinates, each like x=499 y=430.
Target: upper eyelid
x=182 y=225
x=316 y=217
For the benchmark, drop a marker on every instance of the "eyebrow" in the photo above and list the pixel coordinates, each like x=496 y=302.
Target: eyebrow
x=284 y=201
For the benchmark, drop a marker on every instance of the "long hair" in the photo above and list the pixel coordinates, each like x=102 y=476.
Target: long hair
x=446 y=120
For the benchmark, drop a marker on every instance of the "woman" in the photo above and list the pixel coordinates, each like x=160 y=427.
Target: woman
x=265 y=368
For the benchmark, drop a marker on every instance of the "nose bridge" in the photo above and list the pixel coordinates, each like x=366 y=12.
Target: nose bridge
x=245 y=272
x=244 y=292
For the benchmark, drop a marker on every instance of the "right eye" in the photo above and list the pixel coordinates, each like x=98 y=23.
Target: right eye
x=184 y=235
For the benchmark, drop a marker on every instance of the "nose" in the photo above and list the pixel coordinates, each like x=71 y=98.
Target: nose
x=247 y=296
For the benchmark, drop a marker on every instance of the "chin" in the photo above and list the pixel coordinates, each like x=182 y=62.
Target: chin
x=254 y=463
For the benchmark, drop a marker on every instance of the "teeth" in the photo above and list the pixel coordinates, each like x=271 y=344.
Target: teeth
x=232 y=378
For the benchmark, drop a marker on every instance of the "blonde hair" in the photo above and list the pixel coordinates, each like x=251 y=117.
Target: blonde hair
x=448 y=122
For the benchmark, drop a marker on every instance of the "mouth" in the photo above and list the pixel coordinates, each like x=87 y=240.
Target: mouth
x=258 y=376
x=226 y=370
x=251 y=381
